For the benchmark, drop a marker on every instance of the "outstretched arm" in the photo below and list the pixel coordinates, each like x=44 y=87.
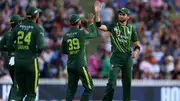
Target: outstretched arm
x=136 y=49
x=135 y=43
x=92 y=33
x=97 y=8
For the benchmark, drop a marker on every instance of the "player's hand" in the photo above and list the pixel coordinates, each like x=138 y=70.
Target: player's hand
x=90 y=18
x=97 y=6
x=135 y=53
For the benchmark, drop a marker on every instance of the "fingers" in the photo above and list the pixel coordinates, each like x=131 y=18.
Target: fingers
x=97 y=6
x=134 y=54
x=97 y=3
x=90 y=18
x=91 y=15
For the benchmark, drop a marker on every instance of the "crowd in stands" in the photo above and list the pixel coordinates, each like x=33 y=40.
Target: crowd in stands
x=156 y=21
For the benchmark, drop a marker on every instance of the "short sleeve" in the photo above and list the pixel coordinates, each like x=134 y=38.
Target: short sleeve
x=64 y=46
x=134 y=37
x=109 y=27
x=40 y=39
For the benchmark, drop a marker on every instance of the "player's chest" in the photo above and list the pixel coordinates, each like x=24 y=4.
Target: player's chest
x=122 y=32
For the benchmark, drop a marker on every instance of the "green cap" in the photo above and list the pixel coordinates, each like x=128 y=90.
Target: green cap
x=15 y=18
x=32 y=11
x=74 y=18
x=124 y=11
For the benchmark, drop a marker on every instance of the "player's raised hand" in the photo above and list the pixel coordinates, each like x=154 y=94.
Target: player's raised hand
x=97 y=6
x=90 y=18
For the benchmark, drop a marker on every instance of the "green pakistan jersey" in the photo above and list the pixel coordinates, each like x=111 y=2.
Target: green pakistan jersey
x=74 y=45
x=29 y=38
x=121 y=37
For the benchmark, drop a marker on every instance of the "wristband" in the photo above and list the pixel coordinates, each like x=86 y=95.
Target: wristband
x=98 y=24
x=136 y=47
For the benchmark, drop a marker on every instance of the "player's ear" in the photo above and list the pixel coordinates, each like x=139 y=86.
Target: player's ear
x=128 y=17
x=36 y=18
x=79 y=22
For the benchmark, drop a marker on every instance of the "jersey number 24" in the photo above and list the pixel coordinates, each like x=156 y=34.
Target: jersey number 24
x=22 y=38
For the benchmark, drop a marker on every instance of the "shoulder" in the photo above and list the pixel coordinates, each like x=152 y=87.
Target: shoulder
x=37 y=26
x=111 y=25
x=130 y=26
x=65 y=35
x=15 y=28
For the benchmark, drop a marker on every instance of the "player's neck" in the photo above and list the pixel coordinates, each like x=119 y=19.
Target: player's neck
x=123 y=23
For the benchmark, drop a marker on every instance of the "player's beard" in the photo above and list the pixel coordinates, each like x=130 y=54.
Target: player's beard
x=122 y=21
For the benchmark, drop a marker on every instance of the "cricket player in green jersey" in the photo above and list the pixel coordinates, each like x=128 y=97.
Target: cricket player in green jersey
x=29 y=39
x=74 y=45
x=122 y=35
x=14 y=21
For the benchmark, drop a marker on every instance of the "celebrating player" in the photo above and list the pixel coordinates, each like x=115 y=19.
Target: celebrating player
x=74 y=45
x=14 y=21
x=29 y=39
x=122 y=34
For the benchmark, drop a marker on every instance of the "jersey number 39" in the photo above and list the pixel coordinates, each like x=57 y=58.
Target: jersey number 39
x=73 y=44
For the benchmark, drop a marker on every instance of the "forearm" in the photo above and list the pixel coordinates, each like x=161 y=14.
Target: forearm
x=98 y=22
x=92 y=33
x=92 y=30
x=98 y=18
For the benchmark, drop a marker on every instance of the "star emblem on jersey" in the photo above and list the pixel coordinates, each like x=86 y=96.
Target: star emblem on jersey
x=115 y=29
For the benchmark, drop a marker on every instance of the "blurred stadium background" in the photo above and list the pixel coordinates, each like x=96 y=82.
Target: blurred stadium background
x=156 y=71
